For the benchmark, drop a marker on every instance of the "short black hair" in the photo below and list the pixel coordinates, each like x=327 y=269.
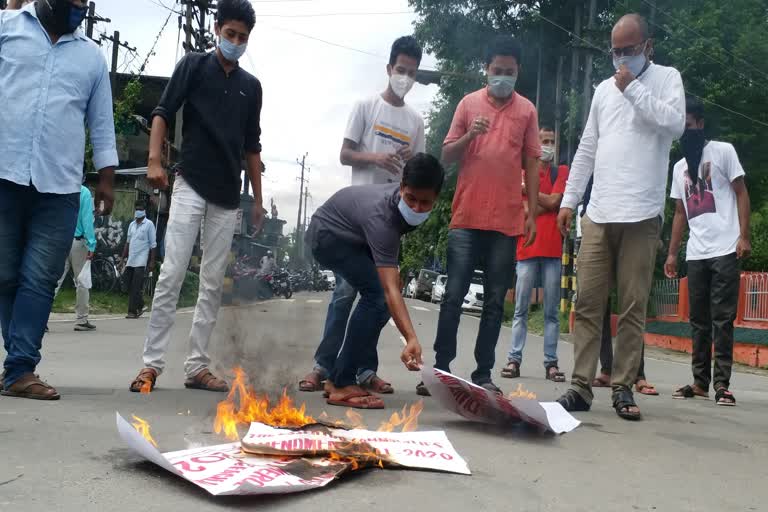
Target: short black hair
x=406 y=45
x=506 y=46
x=139 y=205
x=236 y=10
x=694 y=107
x=546 y=128
x=424 y=171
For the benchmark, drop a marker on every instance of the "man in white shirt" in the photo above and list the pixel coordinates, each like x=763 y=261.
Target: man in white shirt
x=382 y=134
x=714 y=202
x=139 y=248
x=634 y=118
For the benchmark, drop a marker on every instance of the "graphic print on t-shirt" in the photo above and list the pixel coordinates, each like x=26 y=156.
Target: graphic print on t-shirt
x=392 y=134
x=700 y=198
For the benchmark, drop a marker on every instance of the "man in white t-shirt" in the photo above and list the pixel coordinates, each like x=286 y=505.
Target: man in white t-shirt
x=382 y=134
x=715 y=203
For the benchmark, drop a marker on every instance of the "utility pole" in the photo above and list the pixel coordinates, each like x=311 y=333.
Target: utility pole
x=588 y=63
x=299 y=233
x=559 y=107
x=574 y=79
x=90 y=20
x=116 y=44
x=306 y=208
x=538 y=69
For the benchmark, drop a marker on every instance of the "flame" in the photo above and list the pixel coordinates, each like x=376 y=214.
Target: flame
x=407 y=419
x=142 y=427
x=243 y=406
x=520 y=392
x=146 y=388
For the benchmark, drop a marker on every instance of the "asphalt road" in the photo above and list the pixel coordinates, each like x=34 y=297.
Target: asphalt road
x=66 y=456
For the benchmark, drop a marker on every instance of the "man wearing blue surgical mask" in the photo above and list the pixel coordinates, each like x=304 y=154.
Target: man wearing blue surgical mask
x=356 y=234
x=634 y=118
x=53 y=83
x=139 y=250
x=222 y=109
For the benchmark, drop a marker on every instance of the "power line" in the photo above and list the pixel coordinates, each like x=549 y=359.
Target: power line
x=703 y=37
x=154 y=45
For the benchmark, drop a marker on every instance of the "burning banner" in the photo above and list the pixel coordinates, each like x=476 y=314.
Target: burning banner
x=279 y=461
x=478 y=404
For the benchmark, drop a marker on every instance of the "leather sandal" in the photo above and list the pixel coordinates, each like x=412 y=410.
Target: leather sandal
x=145 y=380
x=30 y=386
x=206 y=381
x=312 y=382
x=378 y=385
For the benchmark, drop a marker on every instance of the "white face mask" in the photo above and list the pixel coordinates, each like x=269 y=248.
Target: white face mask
x=547 y=153
x=400 y=84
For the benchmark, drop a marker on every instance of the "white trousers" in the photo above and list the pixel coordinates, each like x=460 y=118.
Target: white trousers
x=77 y=257
x=188 y=211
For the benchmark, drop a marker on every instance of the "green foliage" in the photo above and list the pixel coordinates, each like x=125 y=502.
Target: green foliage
x=189 y=288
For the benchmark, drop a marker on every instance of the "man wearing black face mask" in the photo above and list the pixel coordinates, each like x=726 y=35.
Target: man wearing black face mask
x=53 y=81
x=708 y=187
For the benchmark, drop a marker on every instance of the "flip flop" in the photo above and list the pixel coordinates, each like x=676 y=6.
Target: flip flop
x=312 y=382
x=686 y=392
x=646 y=389
x=378 y=385
x=369 y=401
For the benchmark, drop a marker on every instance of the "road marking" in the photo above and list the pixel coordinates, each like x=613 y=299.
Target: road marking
x=314 y=301
x=419 y=308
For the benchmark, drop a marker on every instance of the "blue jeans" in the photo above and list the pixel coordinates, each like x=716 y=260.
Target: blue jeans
x=333 y=335
x=548 y=269
x=494 y=254
x=35 y=237
x=355 y=265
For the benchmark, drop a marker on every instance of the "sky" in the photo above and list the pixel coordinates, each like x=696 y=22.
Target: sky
x=309 y=86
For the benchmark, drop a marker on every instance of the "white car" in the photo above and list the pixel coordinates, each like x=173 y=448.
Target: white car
x=410 y=290
x=438 y=291
x=473 y=300
x=331 y=278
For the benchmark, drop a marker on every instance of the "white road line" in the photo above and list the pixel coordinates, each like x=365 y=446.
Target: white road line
x=314 y=301
x=419 y=308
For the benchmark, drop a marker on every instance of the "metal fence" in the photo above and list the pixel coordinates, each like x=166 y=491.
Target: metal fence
x=755 y=289
x=665 y=298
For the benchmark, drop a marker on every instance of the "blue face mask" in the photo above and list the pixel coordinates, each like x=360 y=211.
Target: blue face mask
x=635 y=63
x=230 y=51
x=140 y=214
x=76 y=17
x=411 y=217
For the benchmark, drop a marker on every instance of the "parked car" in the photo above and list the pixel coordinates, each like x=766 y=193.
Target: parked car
x=473 y=300
x=439 y=289
x=410 y=290
x=421 y=287
x=330 y=277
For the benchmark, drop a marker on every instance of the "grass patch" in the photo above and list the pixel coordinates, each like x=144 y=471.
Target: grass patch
x=535 y=318
x=116 y=302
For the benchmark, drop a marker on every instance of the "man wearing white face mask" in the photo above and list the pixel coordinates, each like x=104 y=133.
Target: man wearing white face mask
x=382 y=134
x=634 y=117
x=222 y=109
x=541 y=263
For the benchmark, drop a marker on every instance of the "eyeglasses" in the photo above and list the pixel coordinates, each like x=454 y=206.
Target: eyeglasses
x=628 y=51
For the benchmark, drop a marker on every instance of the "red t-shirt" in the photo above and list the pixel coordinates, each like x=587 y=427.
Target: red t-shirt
x=549 y=241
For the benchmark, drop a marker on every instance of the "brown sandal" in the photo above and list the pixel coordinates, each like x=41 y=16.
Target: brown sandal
x=378 y=385
x=357 y=400
x=312 y=382
x=603 y=381
x=144 y=381
x=206 y=381
x=30 y=386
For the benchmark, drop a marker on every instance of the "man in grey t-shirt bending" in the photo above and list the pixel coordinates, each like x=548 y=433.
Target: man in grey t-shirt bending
x=356 y=234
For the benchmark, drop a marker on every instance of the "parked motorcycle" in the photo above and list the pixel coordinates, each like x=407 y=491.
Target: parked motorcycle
x=280 y=283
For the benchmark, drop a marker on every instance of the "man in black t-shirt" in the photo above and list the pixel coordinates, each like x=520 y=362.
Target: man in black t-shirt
x=222 y=107
x=356 y=234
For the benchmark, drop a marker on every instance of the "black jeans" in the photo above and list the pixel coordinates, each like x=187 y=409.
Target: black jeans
x=355 y=265
x=134 y=278
x=713 y=288
x=606 y=349
x=494 y=253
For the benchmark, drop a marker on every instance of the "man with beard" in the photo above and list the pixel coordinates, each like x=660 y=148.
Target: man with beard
x=634 y=117
x=711 y=196
x=53 y=81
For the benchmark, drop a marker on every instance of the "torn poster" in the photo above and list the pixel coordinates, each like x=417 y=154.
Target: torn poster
x=228 y=469
x=478 y=404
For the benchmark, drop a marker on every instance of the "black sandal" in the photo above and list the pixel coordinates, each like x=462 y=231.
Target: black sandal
x=724 y=397
x=573 y=402
x=422 y=390
x=511 y=371
x=622 y=401
x=490 y=386
x=554 y=374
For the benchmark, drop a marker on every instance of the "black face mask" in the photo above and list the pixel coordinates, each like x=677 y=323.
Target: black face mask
x=60 y=16
x=692 y=143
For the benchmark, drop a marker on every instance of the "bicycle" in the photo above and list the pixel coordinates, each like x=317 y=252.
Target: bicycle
x=104 y=274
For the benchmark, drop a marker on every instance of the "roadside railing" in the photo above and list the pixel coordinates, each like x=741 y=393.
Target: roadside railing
x=665 y=298
x=754 y=288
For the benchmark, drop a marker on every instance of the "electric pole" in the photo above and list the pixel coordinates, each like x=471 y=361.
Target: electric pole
x=116 y=45
x=299 y=230
x=590 y=33
x=306 y=208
